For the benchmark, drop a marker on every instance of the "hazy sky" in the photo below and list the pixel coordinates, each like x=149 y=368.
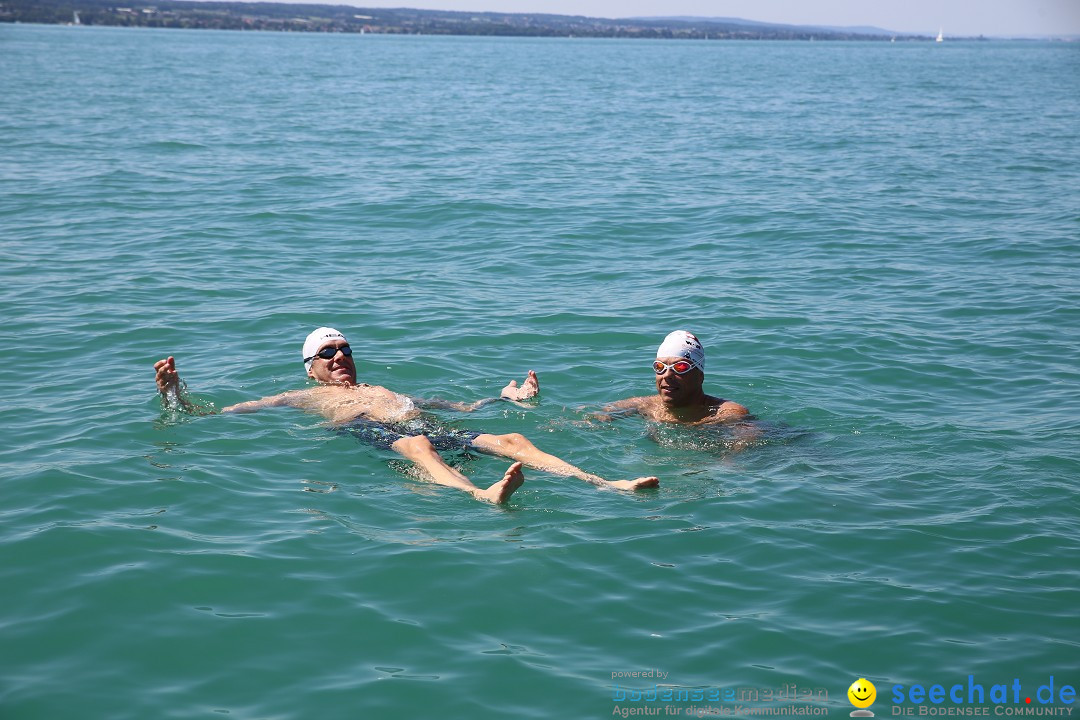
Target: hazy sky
x=957 y=17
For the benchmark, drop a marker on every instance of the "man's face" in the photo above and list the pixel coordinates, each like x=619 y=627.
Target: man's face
x=338 y=369
x=677 y=390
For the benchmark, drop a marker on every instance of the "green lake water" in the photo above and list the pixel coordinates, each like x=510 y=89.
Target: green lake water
x=878 y=245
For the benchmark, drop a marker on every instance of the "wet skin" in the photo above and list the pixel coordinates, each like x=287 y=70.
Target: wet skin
x=339 y=398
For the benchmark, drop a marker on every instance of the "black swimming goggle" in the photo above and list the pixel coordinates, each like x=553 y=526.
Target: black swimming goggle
x=327 y=353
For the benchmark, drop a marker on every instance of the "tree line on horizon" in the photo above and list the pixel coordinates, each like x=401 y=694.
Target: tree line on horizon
x=346 y=19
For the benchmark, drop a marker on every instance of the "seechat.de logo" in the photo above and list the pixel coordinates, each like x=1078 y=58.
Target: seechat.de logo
x=862 y=694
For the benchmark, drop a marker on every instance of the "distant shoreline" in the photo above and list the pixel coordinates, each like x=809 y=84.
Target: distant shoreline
x=284 y=17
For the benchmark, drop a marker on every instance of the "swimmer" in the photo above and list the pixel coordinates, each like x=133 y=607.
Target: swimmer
x=342 y=400
x=680 y=398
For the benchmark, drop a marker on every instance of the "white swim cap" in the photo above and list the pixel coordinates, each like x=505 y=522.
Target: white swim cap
x=316 y=340
x=684 y=345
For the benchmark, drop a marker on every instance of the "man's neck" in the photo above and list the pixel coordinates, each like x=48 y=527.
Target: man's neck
x=343 y=383
x=693 y=409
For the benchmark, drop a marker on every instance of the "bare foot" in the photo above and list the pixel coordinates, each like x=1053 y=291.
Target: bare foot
x=638 y=484
x=529 y=388
x=501 y=491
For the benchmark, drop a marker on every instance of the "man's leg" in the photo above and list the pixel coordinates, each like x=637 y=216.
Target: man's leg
x=419 y=449
x=517 y=447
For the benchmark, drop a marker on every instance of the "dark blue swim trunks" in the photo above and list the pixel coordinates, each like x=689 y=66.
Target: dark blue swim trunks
x=383 y=435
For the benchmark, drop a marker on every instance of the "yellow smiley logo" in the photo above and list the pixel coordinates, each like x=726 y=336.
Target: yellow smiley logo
x=862 y=693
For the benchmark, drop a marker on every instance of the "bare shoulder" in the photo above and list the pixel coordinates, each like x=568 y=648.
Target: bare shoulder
x=728 y=411
x=317 y=394
x=644 y=406
x=634 y=403
x=301 y=399
x=650 y=407
x=298 y=394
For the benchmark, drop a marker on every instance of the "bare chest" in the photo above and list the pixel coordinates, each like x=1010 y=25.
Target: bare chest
x=655 y=410
x=371 y=402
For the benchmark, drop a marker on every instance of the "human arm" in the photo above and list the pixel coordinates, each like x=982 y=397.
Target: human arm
x=617 y=409
x=745 y=434
x=255 y=405
x=514 y=393
x=742 y=426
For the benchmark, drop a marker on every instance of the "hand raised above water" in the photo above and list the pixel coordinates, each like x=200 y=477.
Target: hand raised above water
x=166 y=376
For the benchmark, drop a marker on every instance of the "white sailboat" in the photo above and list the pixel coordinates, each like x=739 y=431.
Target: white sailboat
x=940 y=36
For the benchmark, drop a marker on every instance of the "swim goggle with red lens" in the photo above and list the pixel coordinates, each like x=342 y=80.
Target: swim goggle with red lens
x=328 y=353
x=681 y=367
